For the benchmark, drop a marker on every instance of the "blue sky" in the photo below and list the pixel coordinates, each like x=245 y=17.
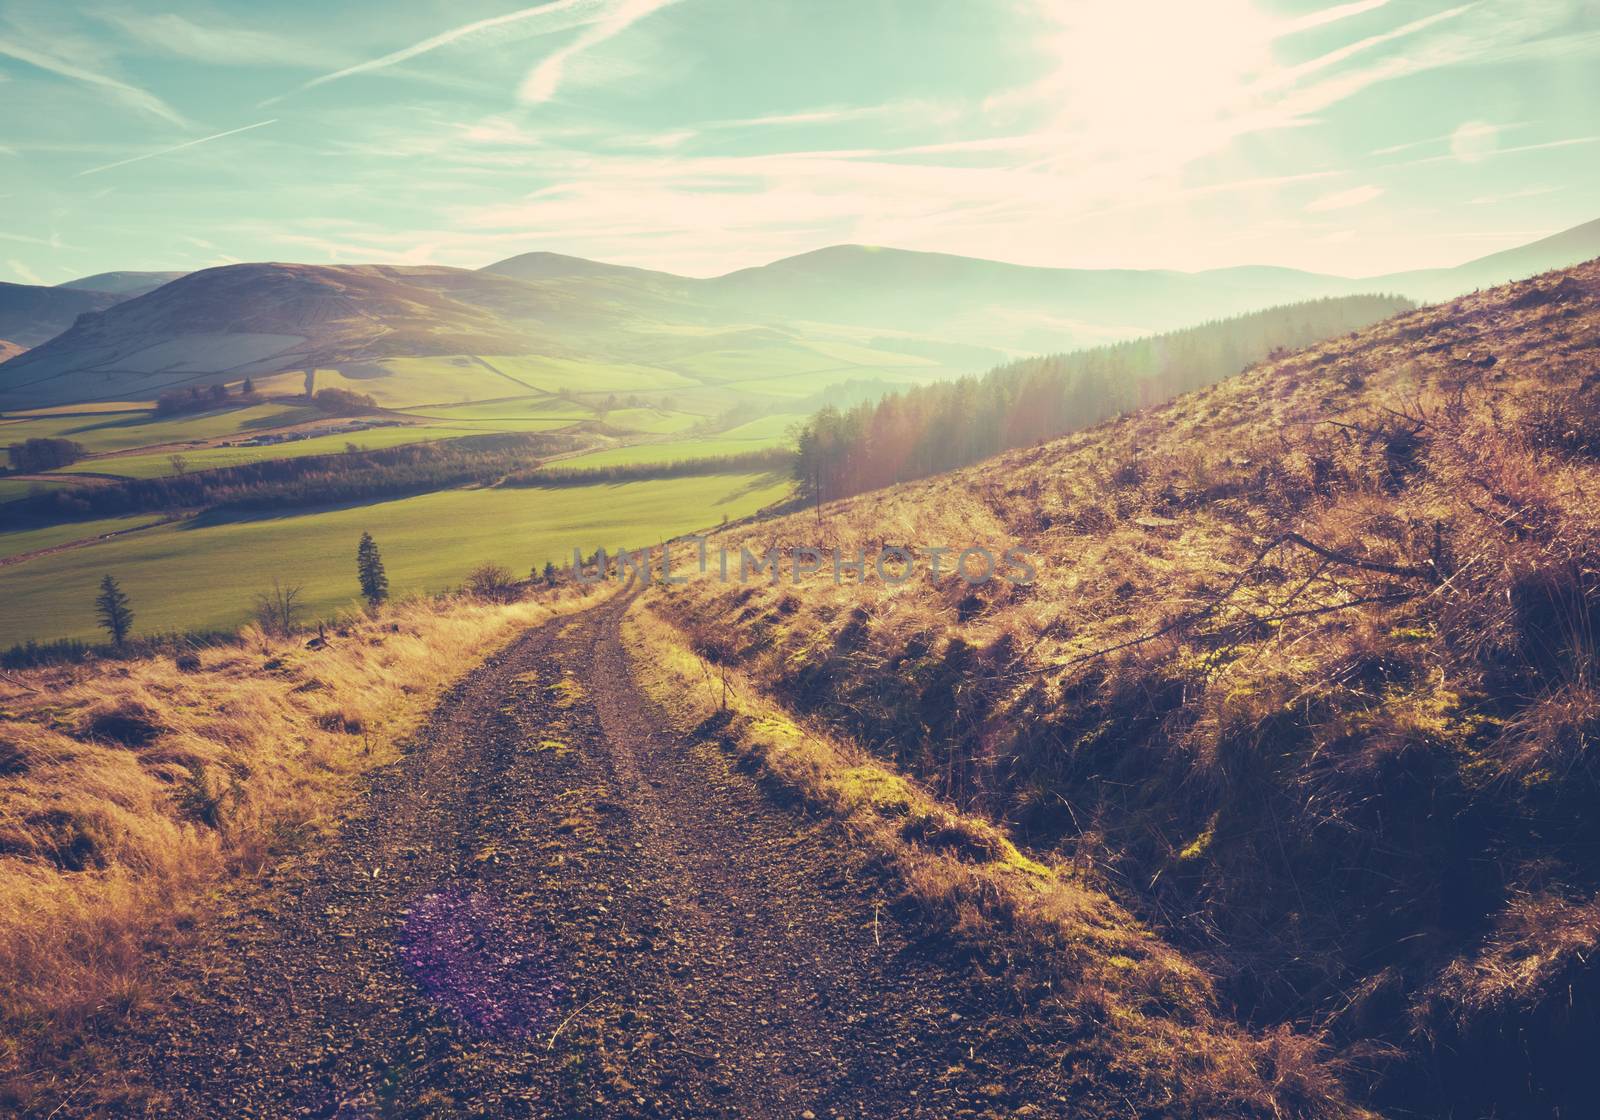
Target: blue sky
x=705 y=135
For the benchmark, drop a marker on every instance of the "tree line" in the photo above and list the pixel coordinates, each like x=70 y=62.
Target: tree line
x=939 y=427
x=766 y=459
x=350 y=476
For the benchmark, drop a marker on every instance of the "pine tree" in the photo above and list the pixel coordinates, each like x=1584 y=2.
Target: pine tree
x=369 y=568
x=111 y=607
x=550 y=573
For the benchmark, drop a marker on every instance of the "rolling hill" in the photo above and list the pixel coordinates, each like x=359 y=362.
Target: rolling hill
x=1581 y=243
x=124 y=284
x=252 y=319
x=31 y=314
x=759 y=336
x=1306 y=678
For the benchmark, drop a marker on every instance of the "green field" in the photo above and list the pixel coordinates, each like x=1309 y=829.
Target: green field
x=117 y=431
x=769 y=431
x=159 y=464
x=653 y=421
x=205 y=575
x=539 y=407
x=551 y=375
x=14 y=542
x=406 y=382
x=13 y=488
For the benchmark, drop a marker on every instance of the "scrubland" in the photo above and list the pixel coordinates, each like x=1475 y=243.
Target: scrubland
x=131 y=790
x=1308 y=684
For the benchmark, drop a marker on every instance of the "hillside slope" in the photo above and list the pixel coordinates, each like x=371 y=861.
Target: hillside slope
x=31 y=314
x=1559 y=250
x=251 y=319
x=1308 y=678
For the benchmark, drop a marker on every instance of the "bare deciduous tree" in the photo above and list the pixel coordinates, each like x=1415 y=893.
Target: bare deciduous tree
x=276 y=609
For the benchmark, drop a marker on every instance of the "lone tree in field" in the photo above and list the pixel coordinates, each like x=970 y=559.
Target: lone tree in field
x=111 y=607
x=369 y=568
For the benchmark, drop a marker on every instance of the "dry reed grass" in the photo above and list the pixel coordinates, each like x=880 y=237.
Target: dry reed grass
x=131 y=789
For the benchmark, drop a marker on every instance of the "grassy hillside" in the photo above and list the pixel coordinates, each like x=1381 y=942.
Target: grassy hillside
x=1308 y=679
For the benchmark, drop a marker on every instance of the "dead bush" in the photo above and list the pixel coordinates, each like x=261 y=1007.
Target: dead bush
x=128 y=723
x=341 y=722
x=492 y=583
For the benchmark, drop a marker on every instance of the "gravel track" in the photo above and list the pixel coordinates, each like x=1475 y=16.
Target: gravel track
x=554 y=905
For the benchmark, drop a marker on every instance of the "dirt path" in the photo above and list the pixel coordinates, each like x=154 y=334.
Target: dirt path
x=553 y=906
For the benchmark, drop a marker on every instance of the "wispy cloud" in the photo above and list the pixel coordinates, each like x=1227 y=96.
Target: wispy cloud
x=1330 y=15
x=1344 y=200
x=53 y=242
x=172 y=34
x=134 y=96
x=545 y=79
x=541 y=19
x=176 y=147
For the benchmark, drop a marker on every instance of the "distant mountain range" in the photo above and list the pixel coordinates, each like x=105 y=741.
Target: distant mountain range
x=851 y=309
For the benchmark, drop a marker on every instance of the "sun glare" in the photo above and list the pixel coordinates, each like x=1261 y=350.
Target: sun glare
x=1142 y=76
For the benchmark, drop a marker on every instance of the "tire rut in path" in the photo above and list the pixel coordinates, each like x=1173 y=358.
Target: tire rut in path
x=554 y=905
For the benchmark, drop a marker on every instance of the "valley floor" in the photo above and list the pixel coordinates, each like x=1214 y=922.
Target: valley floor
x=557 y=905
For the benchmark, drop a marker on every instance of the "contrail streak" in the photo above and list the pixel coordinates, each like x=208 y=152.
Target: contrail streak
x=175 y=148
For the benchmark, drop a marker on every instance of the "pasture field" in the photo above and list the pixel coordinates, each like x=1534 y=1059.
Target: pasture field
x=655 y=421
x=14 y=542
x=13 y=488
x=537 y=407
x=118 y=431
x=158 y=464
x=551 y=375
x=406 y=382
x=769 y=431
x=205 y=574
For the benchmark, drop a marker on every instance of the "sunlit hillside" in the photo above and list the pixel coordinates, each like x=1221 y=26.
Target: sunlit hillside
x=1307 y=680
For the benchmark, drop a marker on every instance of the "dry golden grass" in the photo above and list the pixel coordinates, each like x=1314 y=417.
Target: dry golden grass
x=1309 y=677
x=1146 y=1013
x=130 y=789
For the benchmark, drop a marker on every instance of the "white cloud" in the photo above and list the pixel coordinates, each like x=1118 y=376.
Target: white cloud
x=1344 y=200
x=1330 y=15
x=175 y=35
x=541 y=19
x=1474 y=141
x=131 y=95
x=544 y=80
